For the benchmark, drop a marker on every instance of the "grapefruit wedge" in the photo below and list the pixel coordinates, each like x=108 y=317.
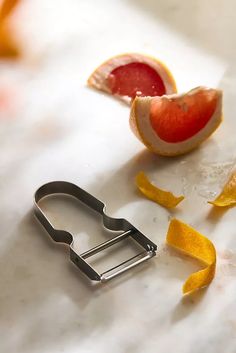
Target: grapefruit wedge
x=175 y=124
x=129 y=75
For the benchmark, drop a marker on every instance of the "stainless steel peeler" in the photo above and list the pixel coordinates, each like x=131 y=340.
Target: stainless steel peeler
x=113 y=224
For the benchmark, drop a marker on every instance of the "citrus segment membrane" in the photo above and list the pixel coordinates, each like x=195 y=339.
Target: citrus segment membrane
x=175 y=120
x=135 y=79
x=186 y=239
x=162 y=197
x=228 y=195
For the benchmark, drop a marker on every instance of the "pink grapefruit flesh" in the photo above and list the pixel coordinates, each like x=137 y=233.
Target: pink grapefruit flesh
x=177 y=120
x=135 y=79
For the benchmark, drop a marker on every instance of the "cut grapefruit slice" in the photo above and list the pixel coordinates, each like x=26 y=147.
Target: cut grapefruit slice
x=175 y=124
x=130 y=75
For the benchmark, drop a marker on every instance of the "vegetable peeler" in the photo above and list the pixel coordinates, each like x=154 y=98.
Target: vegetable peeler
x=112 y=224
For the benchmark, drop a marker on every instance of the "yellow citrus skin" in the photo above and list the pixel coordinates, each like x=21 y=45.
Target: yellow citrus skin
x=162 y=197
x=227 y=197
x=186 y=239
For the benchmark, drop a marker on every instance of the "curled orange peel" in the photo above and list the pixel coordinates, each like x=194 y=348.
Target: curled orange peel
x=228 y=195
x=162 y=197
x=6 y=8
x=8 y=47
x=186 y=239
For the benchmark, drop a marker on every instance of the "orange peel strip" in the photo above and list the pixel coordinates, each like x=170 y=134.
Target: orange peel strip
x=162 y=197
x=8 y=47
x=228 y=195
x=186 y=239
x=7 y=7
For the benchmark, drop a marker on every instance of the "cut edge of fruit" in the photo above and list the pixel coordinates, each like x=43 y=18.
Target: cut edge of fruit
x=140 y=120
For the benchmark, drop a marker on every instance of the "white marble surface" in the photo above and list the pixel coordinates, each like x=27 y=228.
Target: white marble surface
x=56 y=128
